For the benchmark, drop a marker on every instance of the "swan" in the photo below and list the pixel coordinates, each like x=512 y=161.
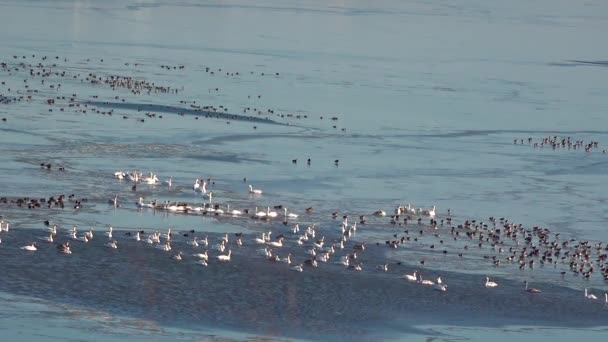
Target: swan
x=490 y=283
x=81 y=238
x=224 y=239
x=53 y=229
x=297 y=268
x=356 y=267
x=380 y=213
x=259 y=214
x=141 y=204
x=120 y=175
x=410 y=277
x=193 y=242
x=109 y=232
x=233 y=212
x=168 y=235
x=48 y=238
x=278 y=243
x=606 y=298
x=271 y=213
x=164 y=247
x=224 y=257
x=531 y=289
x=424 y=281
x=287 y=259
x=220 y=246
x=112 y=244
x=383 y=268
x=430 y=213
x=178 y=256
x=590 y=295
x=239 y=242
x=440 y=287
x=114 y=201
x=202 y=262
x=267 y=252
x=289 y=215
x=254 y=191
x=137 y=237
x=295 y=229
x=203 y=256
x=152 y=179
x=204 y=241
x=30 y=248
x=169 y=182
x=196 y=185
x=260 y=240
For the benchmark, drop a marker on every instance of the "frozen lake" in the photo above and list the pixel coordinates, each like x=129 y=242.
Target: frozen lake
x=426 y=100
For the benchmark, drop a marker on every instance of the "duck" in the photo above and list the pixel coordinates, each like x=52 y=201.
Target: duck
x=531 y=289
x=254 y=191
x=225 y=257
x=112 y=244
x=30 y=248
x=297 y=268
x=490 y=283
x=203 y=256
x=590 y=295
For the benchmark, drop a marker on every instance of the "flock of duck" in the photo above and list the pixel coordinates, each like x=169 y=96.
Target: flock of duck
x=565 y=143
x=45 y=74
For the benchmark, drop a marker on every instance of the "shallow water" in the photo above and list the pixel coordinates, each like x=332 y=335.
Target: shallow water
x=430 y=97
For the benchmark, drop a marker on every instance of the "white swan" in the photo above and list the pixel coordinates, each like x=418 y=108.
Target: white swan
x=531 y=289
x=289 y=215
x=424 y=281
x=178 y=256
x=233 y=212
x=224 y=238
x=254 y=191
x=196 y=185
x=590 y=295
x=224 y=257
x=220 y=246
x=430 y=213
x=410 y=277
x=120 y=175
x=202 y=262
x=383 y=268
x=203 y=255
x=48 y=238
x=53 y=229
x=164 y=247
x=278 y=243
x=259 y=214
x=169 y=182
x=297 y=268
x=490 y=283
x=287 y=259
x=81 y=238
x=204 y=242
x=112 y=244
x=261 y=240
x=109 y=232
x=30 y=248
x=142 y=204
x=271 y=213
x=193 y=242
x=380 y=213
x=137 y=237
x=439 y=286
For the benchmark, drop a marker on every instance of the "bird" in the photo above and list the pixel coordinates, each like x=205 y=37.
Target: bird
x=289 y=215
x=531 y=289
x=383 y=268
x=490 y=283
x=254 y=191
x=410 y=277
x=440 y=286
x=112 y=245
x=297 y=268
x=30 y=248
x=224 y=257
x=590 y=295
x=203 y=256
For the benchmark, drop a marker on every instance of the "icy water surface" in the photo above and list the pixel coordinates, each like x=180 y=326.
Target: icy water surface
x=418 y=101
